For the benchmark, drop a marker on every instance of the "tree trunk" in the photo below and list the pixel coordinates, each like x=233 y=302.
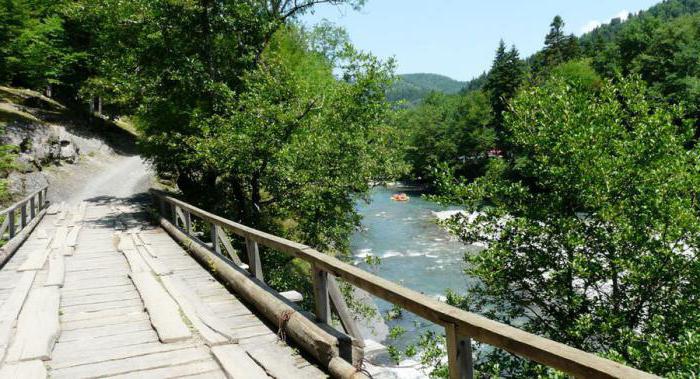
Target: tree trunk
x=48 y=91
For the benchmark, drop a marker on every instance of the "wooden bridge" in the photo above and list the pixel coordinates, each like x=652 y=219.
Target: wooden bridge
x=100 y=290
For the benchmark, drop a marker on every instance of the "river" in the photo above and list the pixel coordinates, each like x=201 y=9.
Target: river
x=415 y=252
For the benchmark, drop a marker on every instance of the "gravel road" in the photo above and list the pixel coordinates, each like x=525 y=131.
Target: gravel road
x=109 y=176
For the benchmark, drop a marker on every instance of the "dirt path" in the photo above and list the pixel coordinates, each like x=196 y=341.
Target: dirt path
x=107 y=176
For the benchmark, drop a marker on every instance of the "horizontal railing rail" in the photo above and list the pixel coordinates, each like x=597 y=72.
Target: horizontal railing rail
x=460 y=326
x=18 y=220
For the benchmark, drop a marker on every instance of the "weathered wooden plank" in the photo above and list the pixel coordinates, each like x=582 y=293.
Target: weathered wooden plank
x=104 y=331
x=207 y=369
x=37 y=258
x=164 y=312
x=24 y=370
x=104 y=321
x=134 y=364
x=209 y=326
x=124 y=305
x=37 y=326
x=11 y=308
x=59 y=239
x=280 y=366
x=72 y=238
x=106 y=343
x=71 y=359
x=57 y=269
x=236 y=363
x=156 y=264
x=136 y=262
x=101 y=298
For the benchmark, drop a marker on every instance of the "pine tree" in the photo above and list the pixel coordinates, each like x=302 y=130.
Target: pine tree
x=558 y=47
x=502 y=83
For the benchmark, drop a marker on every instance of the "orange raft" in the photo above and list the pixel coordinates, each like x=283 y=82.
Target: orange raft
x=399 y=197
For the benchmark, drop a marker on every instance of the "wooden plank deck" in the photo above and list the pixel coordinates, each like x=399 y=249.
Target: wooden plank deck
x=104 y=327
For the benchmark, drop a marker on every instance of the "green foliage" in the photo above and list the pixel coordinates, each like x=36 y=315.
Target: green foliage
x=452 y=130
x=592 y=227
x=35 y=53
x=7 y=163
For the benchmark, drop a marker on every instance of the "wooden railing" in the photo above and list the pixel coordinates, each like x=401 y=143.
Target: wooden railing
x=460 y=326
x=18 y=220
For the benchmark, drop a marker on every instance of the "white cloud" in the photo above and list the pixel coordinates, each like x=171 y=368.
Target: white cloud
x=622 y=15
x=592 y=24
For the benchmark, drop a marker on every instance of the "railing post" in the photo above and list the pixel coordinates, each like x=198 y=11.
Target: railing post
x=215 y=238
x=41 y=200
x=32 y=208
x=161 y=204
x=188 y=221
x=323 y=309
x=11 y=222
x=254 y=258
x=173 y=213
x=459 y=354
x=23 y=215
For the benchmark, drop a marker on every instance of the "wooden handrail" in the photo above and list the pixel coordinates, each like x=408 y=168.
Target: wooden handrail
x=459 y=323
x=29 y=219
x=25 y=200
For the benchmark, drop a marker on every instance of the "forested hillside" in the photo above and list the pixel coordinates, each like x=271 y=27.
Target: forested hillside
x=415 y=87
x=581 y=165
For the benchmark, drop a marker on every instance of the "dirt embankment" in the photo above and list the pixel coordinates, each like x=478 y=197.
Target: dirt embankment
x=80 y=156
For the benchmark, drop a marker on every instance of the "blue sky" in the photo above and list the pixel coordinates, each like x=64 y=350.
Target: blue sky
x=458 y=38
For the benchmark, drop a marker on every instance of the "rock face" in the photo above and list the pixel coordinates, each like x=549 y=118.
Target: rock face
x=41 y=142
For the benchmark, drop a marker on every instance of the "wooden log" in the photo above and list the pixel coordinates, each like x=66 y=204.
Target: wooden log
x=339 y=368
x=320 y=341
x=236 y=363
x=37 y=326
x=162 y=309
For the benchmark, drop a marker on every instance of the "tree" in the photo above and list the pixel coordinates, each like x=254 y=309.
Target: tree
x=558 y=47
x=595 y=243
x=502 y=83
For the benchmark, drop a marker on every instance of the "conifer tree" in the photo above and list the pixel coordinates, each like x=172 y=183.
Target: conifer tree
x=502 y=83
